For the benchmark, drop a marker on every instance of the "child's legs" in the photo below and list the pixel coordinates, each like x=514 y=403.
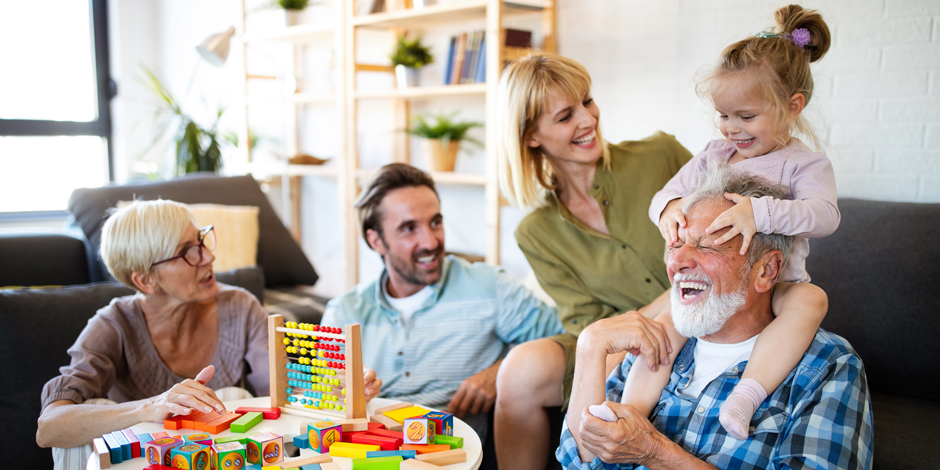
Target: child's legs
x=800 y=309
x=643 y=387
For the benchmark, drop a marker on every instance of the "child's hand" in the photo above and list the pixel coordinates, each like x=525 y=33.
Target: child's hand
x=671 y=221
x=740 y=218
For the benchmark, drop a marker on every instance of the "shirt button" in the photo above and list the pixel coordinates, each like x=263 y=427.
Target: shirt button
x=700 y=409
x=407 y=374
x=605 y=203
x=401 y=352
x=734 y=371
x=623 y=246
x=596 y=186
x=574 y=321
x=648 y=280
x=681 y=367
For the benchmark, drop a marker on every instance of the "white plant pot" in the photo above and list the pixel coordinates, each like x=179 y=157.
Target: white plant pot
x=419 y=4
x=406 y=76
x=292 y=17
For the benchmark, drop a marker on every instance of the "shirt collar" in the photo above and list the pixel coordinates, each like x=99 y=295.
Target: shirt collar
x=436 y=288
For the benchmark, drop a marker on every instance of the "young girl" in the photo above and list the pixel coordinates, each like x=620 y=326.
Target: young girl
x=759 y=91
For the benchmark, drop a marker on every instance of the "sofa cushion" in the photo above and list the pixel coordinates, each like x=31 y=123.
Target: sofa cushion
x=42 y=259
x=880 y=269
x=38 y=327
x=905 y=429
x=281 y=257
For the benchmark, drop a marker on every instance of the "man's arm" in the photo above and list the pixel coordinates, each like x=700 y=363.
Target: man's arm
x=477 y=393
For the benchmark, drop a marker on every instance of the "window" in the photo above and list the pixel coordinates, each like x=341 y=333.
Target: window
x=55 y=122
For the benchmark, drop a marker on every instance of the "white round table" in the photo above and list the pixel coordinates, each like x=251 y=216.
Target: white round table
x=288 y=425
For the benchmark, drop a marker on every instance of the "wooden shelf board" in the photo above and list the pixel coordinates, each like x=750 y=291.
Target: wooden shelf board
x=303 y=33
x=314 y=98
x=448 y=13
x=440 y=177
x=425 y=92
x=275 y=169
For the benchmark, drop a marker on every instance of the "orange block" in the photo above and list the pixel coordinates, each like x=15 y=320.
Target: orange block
x=426 y=448
x=173 y=423
x=189 y=422
x=219 y=424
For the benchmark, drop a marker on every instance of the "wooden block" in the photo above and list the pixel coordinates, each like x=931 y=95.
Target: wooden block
x=266 y=413
x=347 y=436
x=174 y=423
x=241 y=439
x=114 y=448
x=426 y=448
x=412 y=464
x=101 y=450
x=144 y=438
x=135 y=443
x=354 y=451
x=401 y=415
x=404 y=454
x=385 y=432
x=158 y=435
x=311 y=466
x=158 y=467
x=351 y=425
x=453 y=441
x=307 y=461
x=329 y=466
x=246 y=422
x=389 y=423
x=444 y=458
x=373 y=425
x=301 y=441
x=303 y=426
x=193 y=422
x=385 y=443
x=125 y=444
x=219 y=424
x=377 y=463
x=394 y=407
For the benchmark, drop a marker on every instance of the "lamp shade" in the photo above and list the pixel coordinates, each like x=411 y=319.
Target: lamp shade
x=215 y=47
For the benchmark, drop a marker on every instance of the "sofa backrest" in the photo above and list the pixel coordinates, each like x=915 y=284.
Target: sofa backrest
x=880 y=269
x=282 y=259
x=37 y=326
x=42 y=259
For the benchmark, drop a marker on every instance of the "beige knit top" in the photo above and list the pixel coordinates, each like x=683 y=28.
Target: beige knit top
x=114 y=357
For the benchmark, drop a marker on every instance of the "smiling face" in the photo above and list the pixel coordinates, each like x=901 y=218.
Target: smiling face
x=412 y=239
x=567 y=130
x=747 y=121
x=183 y=282
x=709 y=283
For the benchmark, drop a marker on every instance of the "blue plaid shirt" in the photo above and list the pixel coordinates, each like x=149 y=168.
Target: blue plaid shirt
x=820 y=417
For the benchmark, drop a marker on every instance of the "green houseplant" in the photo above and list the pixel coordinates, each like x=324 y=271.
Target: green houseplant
x=197 y=148
x=408 y=56
x=442 y=138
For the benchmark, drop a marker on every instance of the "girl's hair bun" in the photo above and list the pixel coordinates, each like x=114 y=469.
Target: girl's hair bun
x=793 y=17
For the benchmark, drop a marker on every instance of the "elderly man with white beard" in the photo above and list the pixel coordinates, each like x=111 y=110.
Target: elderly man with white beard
x=820 y=417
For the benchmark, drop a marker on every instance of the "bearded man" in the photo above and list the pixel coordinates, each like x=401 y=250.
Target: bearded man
x=434 y=328
x=820 y=417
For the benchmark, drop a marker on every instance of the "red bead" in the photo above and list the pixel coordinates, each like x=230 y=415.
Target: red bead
x=316 y=327
x=342 y=357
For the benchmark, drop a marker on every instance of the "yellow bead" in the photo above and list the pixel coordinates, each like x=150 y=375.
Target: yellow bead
x=332 y=371
x=303 y=351
x=344 y=392
x=286 y=341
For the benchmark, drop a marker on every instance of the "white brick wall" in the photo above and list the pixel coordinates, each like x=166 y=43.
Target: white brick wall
x=877 y=91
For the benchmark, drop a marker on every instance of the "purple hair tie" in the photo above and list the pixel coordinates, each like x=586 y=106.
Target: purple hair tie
x=800 y=37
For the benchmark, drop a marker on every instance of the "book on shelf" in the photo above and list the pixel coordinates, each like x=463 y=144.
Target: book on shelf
x=466 y=56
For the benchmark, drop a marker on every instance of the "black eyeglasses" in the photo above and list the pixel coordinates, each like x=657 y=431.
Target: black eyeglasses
x=193 y=255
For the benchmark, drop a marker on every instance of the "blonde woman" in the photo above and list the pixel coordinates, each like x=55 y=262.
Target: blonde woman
x=587 y=237
x=165 y=350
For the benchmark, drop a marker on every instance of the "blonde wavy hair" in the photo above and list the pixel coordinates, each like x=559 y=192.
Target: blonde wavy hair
x=140 y=234
x=524 y=88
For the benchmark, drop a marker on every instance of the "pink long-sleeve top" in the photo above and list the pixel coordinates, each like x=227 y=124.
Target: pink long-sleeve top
x=812 y=213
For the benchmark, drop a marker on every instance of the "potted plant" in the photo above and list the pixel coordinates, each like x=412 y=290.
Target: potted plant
x=443 y=138
x=292 y=9
x=197 y=148
x=408 y=56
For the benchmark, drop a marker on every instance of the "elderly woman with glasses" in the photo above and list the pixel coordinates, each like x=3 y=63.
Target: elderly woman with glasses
x=165 y=350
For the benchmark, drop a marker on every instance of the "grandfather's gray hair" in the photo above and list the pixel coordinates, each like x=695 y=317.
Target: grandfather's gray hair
x=722 y=178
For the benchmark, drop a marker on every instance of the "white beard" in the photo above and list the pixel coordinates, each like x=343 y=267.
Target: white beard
x=704 y=318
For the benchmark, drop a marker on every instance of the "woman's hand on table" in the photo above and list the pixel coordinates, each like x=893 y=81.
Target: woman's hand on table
x=185 y=397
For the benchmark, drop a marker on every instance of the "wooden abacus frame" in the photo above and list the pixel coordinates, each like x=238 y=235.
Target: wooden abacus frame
x=277 y=361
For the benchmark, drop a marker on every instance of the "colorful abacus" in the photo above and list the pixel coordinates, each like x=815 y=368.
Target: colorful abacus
x=306 y=364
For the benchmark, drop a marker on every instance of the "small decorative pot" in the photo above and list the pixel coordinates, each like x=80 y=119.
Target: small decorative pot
x=441 y=158
x=292 y=17
x=406 y=76
x=419 y=4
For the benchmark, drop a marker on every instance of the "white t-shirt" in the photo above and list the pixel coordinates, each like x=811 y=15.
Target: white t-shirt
x=714 y=359
x=407 y=306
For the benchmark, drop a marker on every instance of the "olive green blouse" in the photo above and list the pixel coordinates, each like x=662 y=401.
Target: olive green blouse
x=591 y=275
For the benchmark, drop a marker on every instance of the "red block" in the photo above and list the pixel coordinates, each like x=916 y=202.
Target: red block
x=426 y=449
x=135 y=443
x=173 y=423
x=158 y=467
x=386 y=443
x=158 y=435
x=374 y=426
x=219 y=424
x=347 y=436
x=385 y=432
x=266 y=413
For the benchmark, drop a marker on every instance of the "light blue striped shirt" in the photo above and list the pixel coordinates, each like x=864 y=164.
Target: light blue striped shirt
x=474 y=314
